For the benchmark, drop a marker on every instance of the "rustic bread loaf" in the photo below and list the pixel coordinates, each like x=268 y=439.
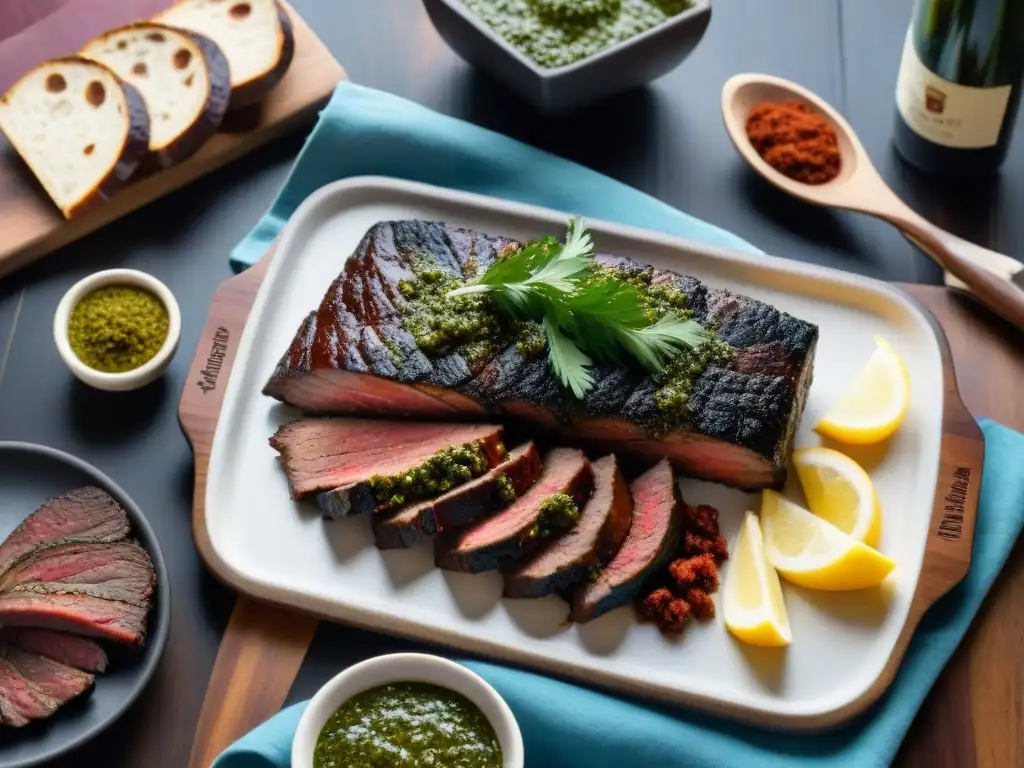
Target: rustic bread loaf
x=81 y=129
x=182 y=76
x=255 y=36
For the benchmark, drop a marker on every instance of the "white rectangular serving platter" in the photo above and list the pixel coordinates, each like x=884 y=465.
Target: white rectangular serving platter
x=280 y=550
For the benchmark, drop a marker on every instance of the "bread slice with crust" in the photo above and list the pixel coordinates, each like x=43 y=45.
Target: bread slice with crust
x=81 y=130
x=255 y=35
x=182 y=76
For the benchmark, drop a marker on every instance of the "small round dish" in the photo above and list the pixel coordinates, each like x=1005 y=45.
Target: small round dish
x=407 y=668
x=137 y=377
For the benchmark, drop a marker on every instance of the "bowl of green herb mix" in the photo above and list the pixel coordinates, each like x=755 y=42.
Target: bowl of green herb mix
x=561 y=55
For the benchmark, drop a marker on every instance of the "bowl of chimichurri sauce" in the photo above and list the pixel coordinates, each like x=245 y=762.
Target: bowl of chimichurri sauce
x=405 y=710
x=564 y=54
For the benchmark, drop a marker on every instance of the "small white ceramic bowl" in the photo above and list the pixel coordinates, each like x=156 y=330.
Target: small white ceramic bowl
x=407 y=668
x=134 y=379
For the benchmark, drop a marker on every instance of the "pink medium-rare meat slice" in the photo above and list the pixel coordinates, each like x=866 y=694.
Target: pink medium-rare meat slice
x=653 y=539
x=86 y=514
x=519 y=529
x=81 y=614
x=460 y=506
x=33 y=687
x=74 y=650
x=121 y=570
x=355 y=355
x=596 y=538
x=323 y=454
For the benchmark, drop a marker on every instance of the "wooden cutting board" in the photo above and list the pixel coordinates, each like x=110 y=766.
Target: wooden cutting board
x=32 y=31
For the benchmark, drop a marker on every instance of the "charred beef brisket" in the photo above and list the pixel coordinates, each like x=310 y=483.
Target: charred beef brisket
x=653 y=539
x=33 y=687
x=742 y=416
x=462 y=505
x=335 y=459
x=519 y=529
x=84 y=514
x=73 y=650
x=602 y=527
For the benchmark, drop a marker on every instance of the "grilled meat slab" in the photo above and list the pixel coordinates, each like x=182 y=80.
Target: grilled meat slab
x=73 y=650
x=460 y=506
x=84 y=514
x=742 y=415
x=653 y=539
x=33 y=687
x=334 y=459
x=517 y=530
x=602 y=527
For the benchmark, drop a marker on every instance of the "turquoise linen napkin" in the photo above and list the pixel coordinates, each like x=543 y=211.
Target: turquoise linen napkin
x=364 y=132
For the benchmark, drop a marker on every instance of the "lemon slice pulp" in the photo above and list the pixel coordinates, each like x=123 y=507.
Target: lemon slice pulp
x=839 y=490
x=876 y=403
x=753 y=606
x=811 y=552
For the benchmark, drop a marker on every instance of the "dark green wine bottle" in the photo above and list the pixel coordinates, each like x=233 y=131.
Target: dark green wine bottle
x=959 y=85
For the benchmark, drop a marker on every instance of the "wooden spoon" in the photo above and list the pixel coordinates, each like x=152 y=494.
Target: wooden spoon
x=997 y=281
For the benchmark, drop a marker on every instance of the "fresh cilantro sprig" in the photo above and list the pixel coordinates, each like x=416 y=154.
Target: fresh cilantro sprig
x=586 y=315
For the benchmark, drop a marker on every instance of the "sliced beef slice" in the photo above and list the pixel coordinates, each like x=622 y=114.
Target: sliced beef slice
x=460 y=506
x=592 y=543
x=518 y=530
x=73 y=612
x=334 y=459
x=33 y=687
x=354 y=356
x=84 y=514
x=653 y=539
x=73 y=650
x=121 y=570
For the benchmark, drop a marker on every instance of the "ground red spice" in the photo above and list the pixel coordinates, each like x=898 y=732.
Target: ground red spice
x=685 y=588
x=794 y=140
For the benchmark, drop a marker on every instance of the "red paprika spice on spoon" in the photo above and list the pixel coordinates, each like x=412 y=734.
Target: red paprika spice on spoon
x=794 y=140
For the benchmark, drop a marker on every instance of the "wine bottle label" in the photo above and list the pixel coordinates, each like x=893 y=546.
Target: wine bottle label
x=946 y=113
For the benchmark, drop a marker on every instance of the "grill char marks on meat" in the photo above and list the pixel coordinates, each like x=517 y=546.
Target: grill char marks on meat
x=84 y=514
x=460 y=506
x=653 y=539
x=743 y=415
x=518 y=530
x=33 y=687
x=602 y=527
x=334 y=459
x=78 y=652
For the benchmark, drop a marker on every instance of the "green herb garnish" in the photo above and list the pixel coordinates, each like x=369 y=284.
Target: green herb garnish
x=586 y=313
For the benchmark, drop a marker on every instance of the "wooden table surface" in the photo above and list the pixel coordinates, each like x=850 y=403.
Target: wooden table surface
x=666 y=140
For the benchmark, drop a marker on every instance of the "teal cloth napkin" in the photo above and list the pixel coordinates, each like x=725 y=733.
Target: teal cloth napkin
x=364 y=132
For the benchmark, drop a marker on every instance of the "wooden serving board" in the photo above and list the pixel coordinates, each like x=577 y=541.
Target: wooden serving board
x=32 y=225
x=256 y=629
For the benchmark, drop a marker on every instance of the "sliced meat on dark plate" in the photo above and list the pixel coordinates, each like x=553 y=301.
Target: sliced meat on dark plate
x=84 y=514
x=335 y=460
x=652 y=541
x=462 y=505
x=74 y=650
x=33 y=687
x=71 y=612
x=603 y=525
x=519 y=529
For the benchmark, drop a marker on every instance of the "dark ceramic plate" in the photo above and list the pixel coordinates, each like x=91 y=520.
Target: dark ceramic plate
x=29 y=475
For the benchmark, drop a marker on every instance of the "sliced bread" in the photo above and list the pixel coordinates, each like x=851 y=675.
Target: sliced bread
x=81 y=130
x=183 y=78
x=255 y=35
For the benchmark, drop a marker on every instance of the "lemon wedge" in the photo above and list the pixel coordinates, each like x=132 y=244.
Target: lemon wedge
x=811 y=552
x=839 y=490
x=754 y=610
x=876 y=403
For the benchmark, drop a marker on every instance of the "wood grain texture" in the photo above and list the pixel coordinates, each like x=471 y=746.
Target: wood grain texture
x=947 y=552
x=258 y=660
x=32 y=224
